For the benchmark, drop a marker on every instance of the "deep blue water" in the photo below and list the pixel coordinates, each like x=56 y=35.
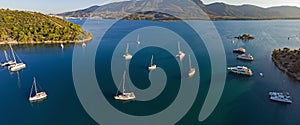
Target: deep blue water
x=244 y=99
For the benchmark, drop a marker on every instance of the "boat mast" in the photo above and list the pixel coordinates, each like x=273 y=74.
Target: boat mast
x=34 y=83
x=127 y=47
x=179 y=46
x=5 y=54
x=12 y=51
x=151 y=61
x=124 y=75
x=138 y=38
x=190 y=62
x=31 y=90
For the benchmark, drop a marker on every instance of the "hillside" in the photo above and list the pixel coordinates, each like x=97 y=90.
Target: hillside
x=288 y=61
x=186 y=9
x=32 y=27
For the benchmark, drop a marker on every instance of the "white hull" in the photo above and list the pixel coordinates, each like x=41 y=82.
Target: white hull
x=83 y=45
x=180 y=55
x=153 y=67
x=17 y=67
x=239 y=50
x=241 y=70
x=38 y=97
x=127 y=57
x=245 y=57
x=7 y=63
x=125 y=96
x=192 y=72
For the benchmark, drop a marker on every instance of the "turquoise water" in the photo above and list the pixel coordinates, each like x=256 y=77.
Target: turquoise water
x=244 y=100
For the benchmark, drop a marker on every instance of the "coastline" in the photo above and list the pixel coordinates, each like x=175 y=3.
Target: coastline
x=277 y=58
x=45 y=42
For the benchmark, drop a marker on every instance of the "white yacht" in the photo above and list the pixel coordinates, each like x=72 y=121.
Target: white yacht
x=247 y=57
x=16 y=66
x=281 y=97
x=180 y=54
x=192 y=70
x=124 y=96
x=8 y=61
x=241 y=70
x=239 y=50
x=127 y=56
x=39 y=96
x=152 y=66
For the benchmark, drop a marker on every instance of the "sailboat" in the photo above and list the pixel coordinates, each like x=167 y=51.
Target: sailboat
x=192 y=70
x=83 y=45
x=8 y=61
x=62 y=46
x=39 y=96
x=16 y=66
x=124 y=96
x=138 y=40
x=127 y=56
x=152 y=66
x=180 y=54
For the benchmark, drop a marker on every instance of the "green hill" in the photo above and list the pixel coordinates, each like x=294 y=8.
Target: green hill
x=33 y=27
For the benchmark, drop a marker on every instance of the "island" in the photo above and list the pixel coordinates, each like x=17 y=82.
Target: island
x=24 y=27
x=245 y=37
x=288 y=61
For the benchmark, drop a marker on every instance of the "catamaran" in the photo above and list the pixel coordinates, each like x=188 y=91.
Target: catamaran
x=192 y=70
x=280 y=97
x=16 y=66
x=138 y=40
x=152 y=66
x=127 y=56
x=39 y=96
x=180 y=54
x=124 y=96
x=8 y=60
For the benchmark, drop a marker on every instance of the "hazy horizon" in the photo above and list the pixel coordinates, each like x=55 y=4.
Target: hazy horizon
x=56 y=6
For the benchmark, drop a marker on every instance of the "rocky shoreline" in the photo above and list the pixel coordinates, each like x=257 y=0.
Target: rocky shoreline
x=45 y=42
x=288 y=61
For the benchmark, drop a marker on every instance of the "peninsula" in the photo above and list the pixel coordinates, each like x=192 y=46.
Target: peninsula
x=23 y=27
x=288 y=61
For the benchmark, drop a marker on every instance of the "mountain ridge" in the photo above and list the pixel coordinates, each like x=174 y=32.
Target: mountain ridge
x=187 y=9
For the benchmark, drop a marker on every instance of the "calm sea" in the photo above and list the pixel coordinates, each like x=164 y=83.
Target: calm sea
x=244 y=100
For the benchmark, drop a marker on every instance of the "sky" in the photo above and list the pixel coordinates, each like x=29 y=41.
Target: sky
x=59 y=6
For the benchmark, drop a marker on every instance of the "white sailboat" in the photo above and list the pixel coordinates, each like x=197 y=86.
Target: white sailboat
x=180 y=54
x=192 y=70
x=16 y=66
x=138 y=40
x=39 y=96
x=62 y=46
x=127 y=56
x=124 y=96
x=83 y=45
x=152 y=66
x=8 y=61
